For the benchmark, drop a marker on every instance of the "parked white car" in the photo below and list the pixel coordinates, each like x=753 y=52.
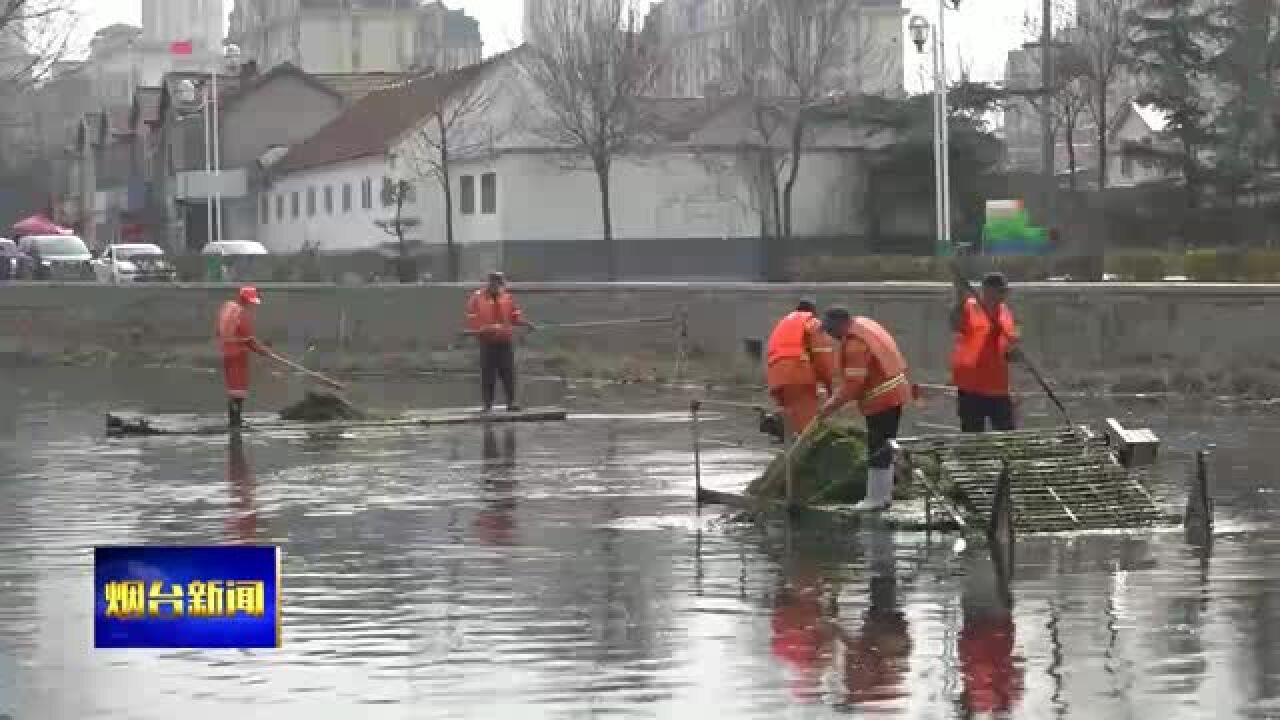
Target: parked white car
x=135 y=262
x=233 y=260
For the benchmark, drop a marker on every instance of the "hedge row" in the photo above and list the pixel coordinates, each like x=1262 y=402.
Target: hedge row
x=1254 y=266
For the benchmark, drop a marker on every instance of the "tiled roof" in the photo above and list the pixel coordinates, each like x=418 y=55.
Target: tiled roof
x=354 y=86
x=372 y=125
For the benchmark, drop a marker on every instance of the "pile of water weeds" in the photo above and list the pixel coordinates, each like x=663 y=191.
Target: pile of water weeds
x=828 y=466
x=319 y=407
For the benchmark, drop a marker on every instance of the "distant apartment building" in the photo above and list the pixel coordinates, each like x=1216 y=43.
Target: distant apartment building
x=355 y=36
x=703 y=39
x=197 y=21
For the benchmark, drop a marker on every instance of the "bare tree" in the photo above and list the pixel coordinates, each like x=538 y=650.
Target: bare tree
x=34 y=36
x=781 y=59
x=590 y=65
x=1100 y=42
x=454 y=131
x=812 y=41
x=746 y=61
x=395 y=194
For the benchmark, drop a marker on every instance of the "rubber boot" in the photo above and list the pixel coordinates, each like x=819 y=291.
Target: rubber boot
x=236 y=410
x=879 y=490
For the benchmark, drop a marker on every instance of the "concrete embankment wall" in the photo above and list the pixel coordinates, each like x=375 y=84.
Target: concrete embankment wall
x=1078 y=333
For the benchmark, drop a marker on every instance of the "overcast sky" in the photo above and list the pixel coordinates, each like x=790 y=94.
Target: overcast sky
x=980 y=33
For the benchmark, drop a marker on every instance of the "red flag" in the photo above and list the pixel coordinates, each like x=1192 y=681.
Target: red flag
x=182 y=47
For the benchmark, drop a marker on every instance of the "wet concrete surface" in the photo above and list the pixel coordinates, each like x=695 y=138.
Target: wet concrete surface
x=562 y=571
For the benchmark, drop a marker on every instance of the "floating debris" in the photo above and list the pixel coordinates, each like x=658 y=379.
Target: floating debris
x=319 y=407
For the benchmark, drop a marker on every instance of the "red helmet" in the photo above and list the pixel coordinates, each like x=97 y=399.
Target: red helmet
x=249 y=296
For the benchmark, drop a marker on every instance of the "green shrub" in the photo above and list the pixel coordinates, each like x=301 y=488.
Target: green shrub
x=1138 y=267
x=1203 y=266
x=1261 y=266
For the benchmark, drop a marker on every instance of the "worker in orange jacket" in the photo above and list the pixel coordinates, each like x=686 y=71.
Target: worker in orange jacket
x=234 y=331
x=873 y=375
x=492 y=314
x=981 y=355
x=798 y=360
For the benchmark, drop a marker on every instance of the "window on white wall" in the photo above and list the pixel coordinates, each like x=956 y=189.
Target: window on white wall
x=280 y=207
x=328 y=199
x=265 y=203
x=293 y=204
x=467 y=194
x=489 y=193
x=311 y=202
x=346 y=197
x=366 y=194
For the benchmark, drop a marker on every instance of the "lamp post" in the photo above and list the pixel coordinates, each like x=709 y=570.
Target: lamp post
x=188 y=93
x=920 y=34
x=231 y=58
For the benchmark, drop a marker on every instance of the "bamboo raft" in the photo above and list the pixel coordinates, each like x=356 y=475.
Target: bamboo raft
x=135 y=425
x=1024 y=482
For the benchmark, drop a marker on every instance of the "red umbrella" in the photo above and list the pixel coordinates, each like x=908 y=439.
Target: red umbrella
x=37 y=225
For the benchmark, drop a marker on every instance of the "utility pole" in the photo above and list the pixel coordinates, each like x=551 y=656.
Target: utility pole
x=1046 y=113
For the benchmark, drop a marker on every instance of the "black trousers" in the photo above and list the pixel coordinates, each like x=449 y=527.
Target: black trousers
x=497 y=361
x=975 y=410
x=881 y=428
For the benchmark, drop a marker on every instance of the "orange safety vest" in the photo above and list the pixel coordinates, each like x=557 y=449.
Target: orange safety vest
x=233 y=330
x=798 y=352
x=492 y=317
x=874 y=371
x=978 y=360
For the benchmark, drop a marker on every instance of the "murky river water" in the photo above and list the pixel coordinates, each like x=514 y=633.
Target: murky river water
x=563 y=571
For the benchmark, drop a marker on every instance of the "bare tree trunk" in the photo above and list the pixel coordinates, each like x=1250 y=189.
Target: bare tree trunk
x=797 y=143
x=1069 y=137
x=603 y=168
x=446 y=183
x=404 y=273
x=777 y=248
x=1103 y=137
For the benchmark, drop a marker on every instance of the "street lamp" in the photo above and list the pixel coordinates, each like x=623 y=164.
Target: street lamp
x=920 y=34
x=189 y=94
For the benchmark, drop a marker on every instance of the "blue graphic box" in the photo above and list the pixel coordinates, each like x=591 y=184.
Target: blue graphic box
x=186 y=597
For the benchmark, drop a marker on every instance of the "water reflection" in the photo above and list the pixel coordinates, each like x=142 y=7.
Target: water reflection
x=495 y=524
x=827 y=661
x=993 y=674
x=800 y=638
x=877 y=658
x=243 y=521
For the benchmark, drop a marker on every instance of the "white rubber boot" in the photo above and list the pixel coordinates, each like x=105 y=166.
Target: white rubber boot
x=879 y=490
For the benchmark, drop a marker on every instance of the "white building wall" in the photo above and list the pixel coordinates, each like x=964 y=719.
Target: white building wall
x=337 y=232
x=675 y=194
x=669 y=195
